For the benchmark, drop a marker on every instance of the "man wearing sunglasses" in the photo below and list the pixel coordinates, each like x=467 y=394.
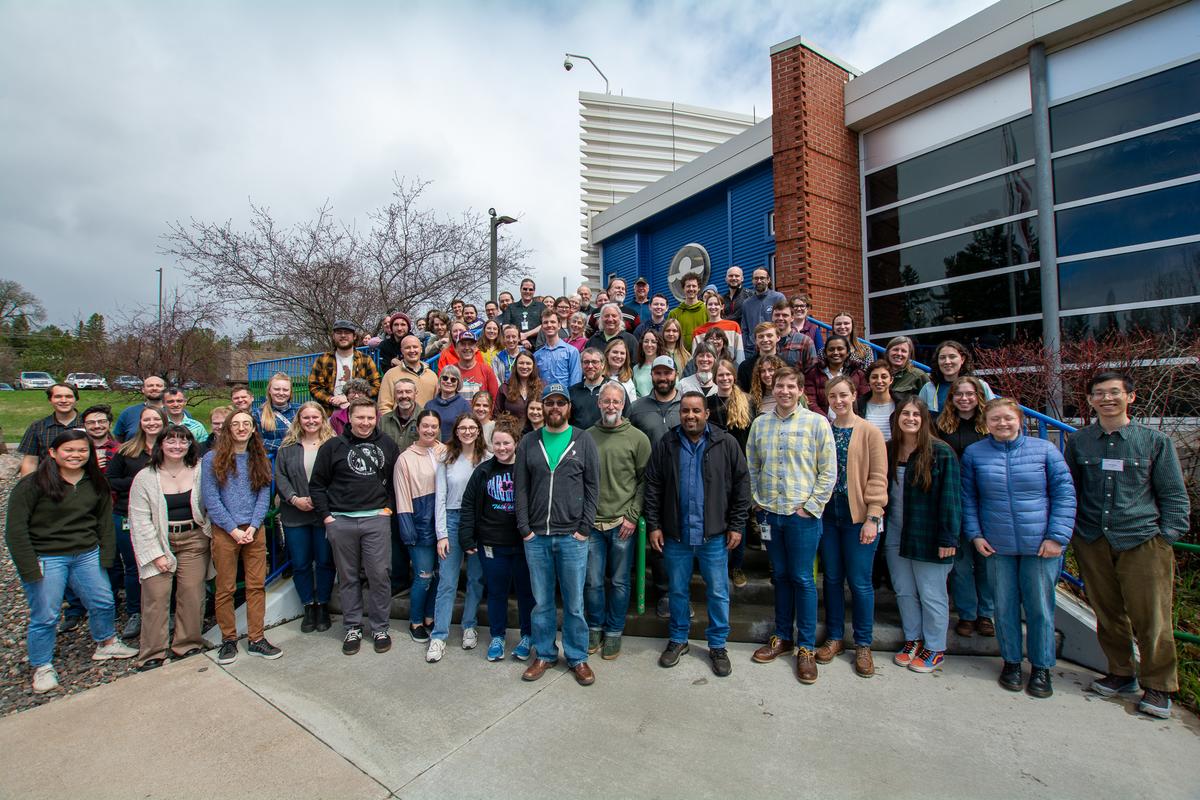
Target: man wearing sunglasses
x=526 y=313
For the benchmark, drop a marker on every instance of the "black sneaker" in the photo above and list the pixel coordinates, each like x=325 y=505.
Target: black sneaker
x=228 y=652
x=663 y=609
x=1155 y=703
x=69 y=624
x=1111 y=685
x=419 y=633
x=1010 y=676
x=1039 y=683
x=263 y=649
x=352 y=642
x=383 y=642
x=670 y=656
x=720 y=662
x=309 y=624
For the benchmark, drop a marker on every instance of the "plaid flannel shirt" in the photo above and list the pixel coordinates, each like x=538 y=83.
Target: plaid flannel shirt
x=323 y=376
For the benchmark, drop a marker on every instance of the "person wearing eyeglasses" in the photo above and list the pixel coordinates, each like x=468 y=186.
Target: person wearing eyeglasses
x=448 y=403
x=525 y=313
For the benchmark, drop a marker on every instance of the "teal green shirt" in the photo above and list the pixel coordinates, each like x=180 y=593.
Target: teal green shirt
x=555 y=444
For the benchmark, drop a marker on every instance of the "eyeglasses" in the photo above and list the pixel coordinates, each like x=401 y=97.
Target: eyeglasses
x=1111 y=394
x=555 y=403
x=965 y=395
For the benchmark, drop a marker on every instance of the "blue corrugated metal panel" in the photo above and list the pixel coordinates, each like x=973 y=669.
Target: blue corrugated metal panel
x=752 y=196
x=619 y=255
x=703 y=222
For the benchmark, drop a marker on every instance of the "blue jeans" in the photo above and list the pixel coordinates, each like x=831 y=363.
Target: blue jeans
x=970 y=584
x=309 y=551
x=845 y=558
x=125 y=568
x=424 y=585
x=714 y=569
x=792 y=549
x=502 y=568
x=558 y=561
x=1024 y=582
x=608 y=570
x=920 y=593
x=443 y=609
x=83 y=574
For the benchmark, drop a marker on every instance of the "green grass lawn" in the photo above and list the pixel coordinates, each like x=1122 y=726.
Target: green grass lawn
x=18 y=409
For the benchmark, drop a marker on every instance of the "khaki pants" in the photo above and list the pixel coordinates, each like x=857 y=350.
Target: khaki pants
x=225 y=553
x=192 y=552
x=1132 y=593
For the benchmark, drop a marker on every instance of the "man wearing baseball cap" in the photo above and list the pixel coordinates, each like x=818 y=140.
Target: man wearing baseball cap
x=557 y=487
x=476 y=375
x=641 y=299
x=331 y=370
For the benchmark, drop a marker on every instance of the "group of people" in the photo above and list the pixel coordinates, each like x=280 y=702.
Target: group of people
x=518 y=452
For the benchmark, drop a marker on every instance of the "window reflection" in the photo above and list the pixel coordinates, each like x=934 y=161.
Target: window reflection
x=1160 y=274
x=1005 y=245
x=1136 y=219
x=1159 y=156
x=1008 y=295
x=1183 y=319
x=975 y=337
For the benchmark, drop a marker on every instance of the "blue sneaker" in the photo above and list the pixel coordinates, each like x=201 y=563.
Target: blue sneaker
x=496 y=649
x=521 y=651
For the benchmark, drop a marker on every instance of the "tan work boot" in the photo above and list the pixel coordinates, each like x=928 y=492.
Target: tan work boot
x=830 y=650
x=864 y=663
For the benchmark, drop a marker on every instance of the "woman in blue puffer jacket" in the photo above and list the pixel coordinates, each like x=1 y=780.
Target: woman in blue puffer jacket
x=1019 y=510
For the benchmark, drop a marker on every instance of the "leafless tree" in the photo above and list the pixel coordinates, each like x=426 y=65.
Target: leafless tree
x=191 y=346
x=297 y=281
x=15 y=302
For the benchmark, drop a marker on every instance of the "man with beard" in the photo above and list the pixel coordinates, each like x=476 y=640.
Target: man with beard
x=757 y=308
x=127 y=420
x=584 y=395
x=351 y=490
x=736 y=296
x=330 y=371
x=557 y=476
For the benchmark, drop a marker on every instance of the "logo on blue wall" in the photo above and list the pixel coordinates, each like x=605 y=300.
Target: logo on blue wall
x=690 y=258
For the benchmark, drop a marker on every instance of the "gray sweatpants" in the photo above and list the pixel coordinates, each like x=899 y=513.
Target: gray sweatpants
x=363 y=545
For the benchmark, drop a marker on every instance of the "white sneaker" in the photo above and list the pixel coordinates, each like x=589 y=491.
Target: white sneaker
x=114 y=649
x=437 y=648
x=470 y=639
x=45 y=679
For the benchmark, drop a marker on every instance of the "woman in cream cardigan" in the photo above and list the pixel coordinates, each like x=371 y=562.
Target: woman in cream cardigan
x=171 y=543
x=851 y=525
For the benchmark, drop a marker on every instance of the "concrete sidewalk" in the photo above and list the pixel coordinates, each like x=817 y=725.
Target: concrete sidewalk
x=318 y=724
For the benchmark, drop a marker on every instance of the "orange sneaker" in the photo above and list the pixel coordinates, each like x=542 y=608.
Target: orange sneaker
x=905 y=656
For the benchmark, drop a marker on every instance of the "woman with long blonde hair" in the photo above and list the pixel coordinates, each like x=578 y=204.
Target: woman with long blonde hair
x=729 y=408
x=303 y=528
x=276 y=413
x=673 y=346
x=617 y=367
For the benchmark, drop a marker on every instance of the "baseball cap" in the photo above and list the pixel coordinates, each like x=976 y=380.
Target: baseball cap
x=663 y=361
x=641 y=280
x=344 y=325
x=464 y=335
x=712 y=287
x=556 y=388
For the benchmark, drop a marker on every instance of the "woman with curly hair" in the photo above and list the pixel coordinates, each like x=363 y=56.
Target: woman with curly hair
x=951 y=360
x=523 y=385
x=762 y=384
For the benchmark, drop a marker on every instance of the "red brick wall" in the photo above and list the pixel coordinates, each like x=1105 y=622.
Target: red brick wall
x=818 y=236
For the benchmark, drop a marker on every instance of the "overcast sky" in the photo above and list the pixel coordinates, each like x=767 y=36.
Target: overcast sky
x=119 y=117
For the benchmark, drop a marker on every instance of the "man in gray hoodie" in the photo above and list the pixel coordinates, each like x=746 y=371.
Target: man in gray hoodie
x=557 y=483
x=624 y=451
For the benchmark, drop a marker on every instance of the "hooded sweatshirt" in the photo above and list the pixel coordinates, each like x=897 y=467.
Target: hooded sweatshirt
x=690 y=317
x=352 y=474
x=558 y=500
x=624 y=451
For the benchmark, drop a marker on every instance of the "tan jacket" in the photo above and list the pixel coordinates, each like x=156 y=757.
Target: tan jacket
x=148 y=521
x=427 y=386
x=866 y=471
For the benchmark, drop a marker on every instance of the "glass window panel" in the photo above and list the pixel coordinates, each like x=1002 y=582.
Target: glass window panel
x=984 y=152
x=1007 y=295
x=1160 y=156
x=963 y=254
x=975 y=337
x=1131 y=106
x=1183 y=319
x=1001 y=196
x=1150 y=217
x=1160 y=274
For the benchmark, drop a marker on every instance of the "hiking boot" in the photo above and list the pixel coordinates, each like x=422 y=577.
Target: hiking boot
x=228 y=652
x=738 y=577
x=309 y=624
x=470 y=639
x=864 y=662
x=806 y=666
x=773 y=649
x=352 y=641
x=1039 y=683
x=1111 y=685
x=965 y=628
x=670 y=656
x=263 y=649
x=1010 y=676
x=595 y=638
x=133 y=627
x=612 y=647
x=719 y=657
x=1155 y=704
x=830 y=650
x=437 y=648
x=113 y=648
x=523 y=649
x=985 y=626
x=905 y=656
x=383 y=641
x=927 y=660
x=45 y=679
x=324 y=622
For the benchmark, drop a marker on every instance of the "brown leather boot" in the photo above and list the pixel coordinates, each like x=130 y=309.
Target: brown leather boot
x=773 y=649
x=806 y=666
x=830 y=650
x=864 y=663
x=965 y=628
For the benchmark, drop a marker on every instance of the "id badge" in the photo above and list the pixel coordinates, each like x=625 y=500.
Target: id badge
x=764 y=528
x=124 y=523
x=487 y=551
x=1112 y=465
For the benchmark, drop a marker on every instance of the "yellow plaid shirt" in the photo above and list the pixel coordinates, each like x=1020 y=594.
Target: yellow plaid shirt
x=793 y=462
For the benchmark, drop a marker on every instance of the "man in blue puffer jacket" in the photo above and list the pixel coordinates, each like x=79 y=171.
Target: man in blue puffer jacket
x=1019 y=511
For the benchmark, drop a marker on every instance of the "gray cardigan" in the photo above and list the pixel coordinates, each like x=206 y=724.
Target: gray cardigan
x=148 y=522
x=291 y=481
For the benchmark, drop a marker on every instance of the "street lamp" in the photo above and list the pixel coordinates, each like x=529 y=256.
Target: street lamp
x=496 y=223
x=567 y=64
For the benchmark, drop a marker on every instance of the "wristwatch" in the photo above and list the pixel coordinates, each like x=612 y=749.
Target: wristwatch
x=875 y=519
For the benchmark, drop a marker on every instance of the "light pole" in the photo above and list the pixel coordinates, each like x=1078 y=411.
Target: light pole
x=496 y=223
x=160 y=280
x=567 y=64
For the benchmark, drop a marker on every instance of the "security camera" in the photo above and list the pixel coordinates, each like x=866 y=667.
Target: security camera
x=491 y=212
x=567 y=64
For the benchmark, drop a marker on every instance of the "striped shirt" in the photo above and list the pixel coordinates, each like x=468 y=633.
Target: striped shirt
x=793 y=462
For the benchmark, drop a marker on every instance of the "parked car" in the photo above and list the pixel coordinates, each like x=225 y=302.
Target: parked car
x=6 y=387
x=36 y=380
x=86 y=380
x=191 y=386
x=127 y=383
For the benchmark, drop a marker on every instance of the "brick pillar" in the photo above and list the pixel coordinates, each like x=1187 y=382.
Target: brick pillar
x=818 y=235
